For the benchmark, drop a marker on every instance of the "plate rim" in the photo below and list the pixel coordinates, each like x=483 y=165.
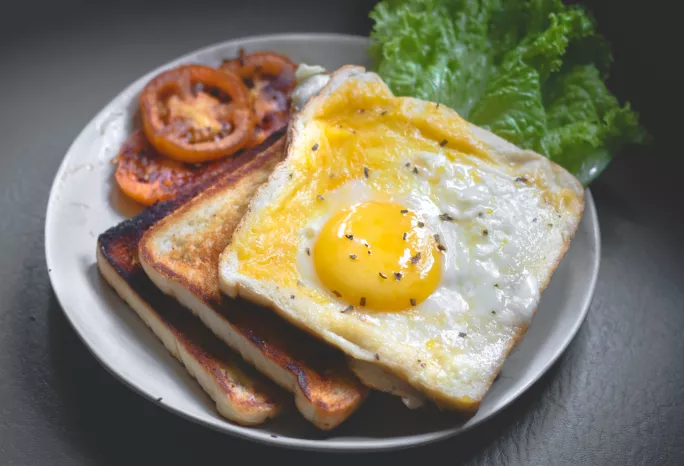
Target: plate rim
x=251 y=433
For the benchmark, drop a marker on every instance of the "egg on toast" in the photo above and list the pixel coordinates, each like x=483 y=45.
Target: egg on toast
x=405 y=236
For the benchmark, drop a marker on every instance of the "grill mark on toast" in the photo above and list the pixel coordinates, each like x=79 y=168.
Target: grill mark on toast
x=321 y=374
x=248 y=391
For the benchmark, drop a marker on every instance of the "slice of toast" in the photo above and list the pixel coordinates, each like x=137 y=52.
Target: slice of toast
x=503 y=218
x=241 y=394
x=181 y=253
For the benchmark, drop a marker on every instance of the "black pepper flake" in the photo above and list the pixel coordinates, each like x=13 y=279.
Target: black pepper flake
x=352 y=256
x=436 y=238
x=415 y=170
x=493 y=312
x=404 y=211
x=308 y=251
x=337 y=293
x=320 y=198
x=441 y=247
x=437 y=106
x=413 y=302
x=291 y=296
x=366 y=244
x=362 y=301
x=485 y=232
x=535 y=219
x=443 y=143
x=274 y=436
x=404 y=236
x=290 y=175
x=347 y=309
x=480 y=214
x=422 y=364
x=398 y=275
x=370 y=252
x=350 y=237
x=300 y=283
x=496 y=285
x=415 y=259
x=315 y=147
x=366 y=172
x=421 y=224
x=384 y=112
x=521 y=179
x=446 y=218
x=462 y=334
x=377 y=357
x=382 y=275
x=407 y=164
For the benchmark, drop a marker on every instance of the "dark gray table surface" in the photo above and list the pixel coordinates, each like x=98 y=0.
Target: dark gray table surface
x=614 y=397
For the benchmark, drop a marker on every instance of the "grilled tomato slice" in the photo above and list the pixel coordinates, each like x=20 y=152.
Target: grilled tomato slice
x=270 y=79
x=195 y=113
x=148 y=177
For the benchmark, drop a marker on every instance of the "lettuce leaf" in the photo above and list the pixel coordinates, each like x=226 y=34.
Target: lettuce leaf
x=531 y=71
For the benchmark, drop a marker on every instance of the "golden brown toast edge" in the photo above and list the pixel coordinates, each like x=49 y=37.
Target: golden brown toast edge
x=241 y=394
x=326 y=391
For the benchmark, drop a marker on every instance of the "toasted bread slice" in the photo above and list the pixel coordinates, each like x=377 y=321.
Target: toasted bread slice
x=241 y=394
x=473 y=188
x=180 y=254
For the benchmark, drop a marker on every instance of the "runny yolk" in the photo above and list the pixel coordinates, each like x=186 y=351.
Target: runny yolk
x=378 y=255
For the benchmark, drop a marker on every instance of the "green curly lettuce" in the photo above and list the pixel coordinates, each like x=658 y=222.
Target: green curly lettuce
x=531 y=71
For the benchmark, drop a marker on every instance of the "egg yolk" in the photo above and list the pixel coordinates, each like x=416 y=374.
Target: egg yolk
x=378 y=255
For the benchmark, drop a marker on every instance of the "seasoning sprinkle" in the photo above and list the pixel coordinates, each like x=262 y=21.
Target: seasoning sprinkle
x=352 y=256
x=362 y=301
x=534 y=219
x=404 y=236
x=315 y=147
x=550 y=225
x=415 y=170
x=370 y=252
x=384 y=112
x=421 y=224
x=308 y=251
x=366 y=172
x=443 y=143
x=480 y=214
x=366 y=244
x=337 y=293
x=422 y=364
x=462 y=334
x=441 y=247
x=485 y=232
x=350 y=237
x=407 y=164
x=398 y=275
x=446 y=217
x=496 y=285
x=347 y=309
x=382 y=275
x=521 y=179
x=415 y=259
x=320 y=198
x=436 y=238
x=290 y=175
x=493 y=312
x=413 y=302
x=404 y=211
x=300 y=283
x=361 y=110
x=291 y=296
x=377 y=357
x=437 y=106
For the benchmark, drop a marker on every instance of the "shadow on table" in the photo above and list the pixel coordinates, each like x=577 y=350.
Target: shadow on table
x=113 y=425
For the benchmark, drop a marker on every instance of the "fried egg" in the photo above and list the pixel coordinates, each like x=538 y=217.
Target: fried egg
x=405 y=236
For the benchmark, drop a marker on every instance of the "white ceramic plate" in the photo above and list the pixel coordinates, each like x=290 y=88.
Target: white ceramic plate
x=84 y=202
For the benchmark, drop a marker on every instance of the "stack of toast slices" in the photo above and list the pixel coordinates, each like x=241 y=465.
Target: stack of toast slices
x=164 y=264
